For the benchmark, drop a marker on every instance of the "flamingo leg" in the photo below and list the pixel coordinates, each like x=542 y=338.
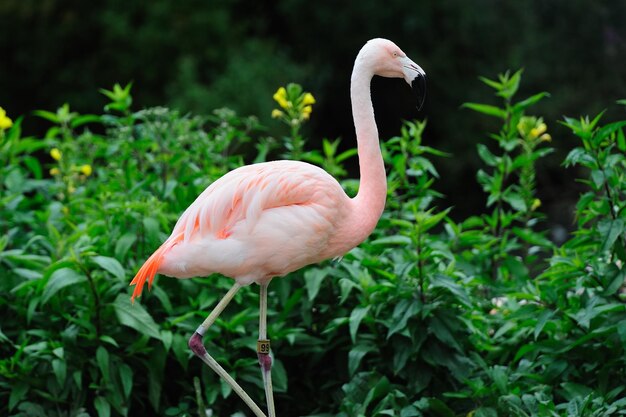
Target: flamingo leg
x=196 y=345
x=263 y=352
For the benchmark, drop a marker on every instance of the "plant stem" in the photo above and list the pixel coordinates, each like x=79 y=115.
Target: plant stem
x=199 y=400
x=96 y=299
x=420 y=265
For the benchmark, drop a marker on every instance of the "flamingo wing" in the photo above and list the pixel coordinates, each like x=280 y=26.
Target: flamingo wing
x=239 y=222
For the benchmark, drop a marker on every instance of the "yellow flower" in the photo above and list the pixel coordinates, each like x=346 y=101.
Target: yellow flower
x=306 y=112
x=536 y=204
x=545 y=137
x=276 y=114
x=56 y=154
x=281 y=98
x=86 y=169
x=541 y=128
x=537 y=131
x=55 y=171
x=5 y=122
x=308 y=99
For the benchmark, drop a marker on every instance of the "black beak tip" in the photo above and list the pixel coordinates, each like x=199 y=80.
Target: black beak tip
x=419 y=88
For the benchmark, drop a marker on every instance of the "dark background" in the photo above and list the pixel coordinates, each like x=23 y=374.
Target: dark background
x=198 y=55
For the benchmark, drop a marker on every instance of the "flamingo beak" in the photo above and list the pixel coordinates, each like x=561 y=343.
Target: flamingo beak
x=419 y=88
x=415 y=76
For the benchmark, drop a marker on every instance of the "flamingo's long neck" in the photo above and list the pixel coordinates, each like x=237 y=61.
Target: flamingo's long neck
x=370 y=200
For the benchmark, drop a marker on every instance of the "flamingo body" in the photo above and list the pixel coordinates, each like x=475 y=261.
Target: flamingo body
x=266 y=220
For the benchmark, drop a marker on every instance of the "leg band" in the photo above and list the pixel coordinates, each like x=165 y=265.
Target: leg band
x=263 y=346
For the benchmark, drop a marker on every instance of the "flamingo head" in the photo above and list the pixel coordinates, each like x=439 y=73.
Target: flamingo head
x=387 y=60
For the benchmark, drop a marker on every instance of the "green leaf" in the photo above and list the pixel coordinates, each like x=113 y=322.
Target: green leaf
x=34 y=165
x=123 y=244
x=604 y=132
x=574 y=390
x=392 y=240
x=524 y=104
x=485 y=412
x=135 y=317
x=442 y=281
x=531 y=347
x=381 y=388
x=616 y=281
x=433 y=220
x=181 y=350
x=510 y=84
x=329 y=147
x=102 y=358
x=313 y=278
x=84 y=119
x=486 y=155
x=440 y=408
x=102 y=406
x=486 y=109
x=111 y=265
x=155 y=377
x=167 y=337
x=60 y=371
x=621 y=331
x=610 y=230
x=403 y=349
x=356 y=317
x=356 y=354
x=399 y=165
x=346 y=154
x=44 y=114
x=516 y=201
x=541 y=322
x=439 y=328
x=410 y=411
x=18 y=391
x=126 y=376
x=621 y=140
x=279 y=376
x=532 y=237
x=402 y=312
x=346 y=286
x=109 y=340
x=151 y=226
x=491 y=83
x=60 y=279
x=59 y=352
x=598 y=177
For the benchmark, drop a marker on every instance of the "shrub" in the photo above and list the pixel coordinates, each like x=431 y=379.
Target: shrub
x=430 y=316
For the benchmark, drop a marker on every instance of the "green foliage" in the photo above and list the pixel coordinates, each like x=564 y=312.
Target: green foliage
x=428 y=317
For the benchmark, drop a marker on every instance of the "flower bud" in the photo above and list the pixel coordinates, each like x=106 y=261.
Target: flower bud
x=56 y=154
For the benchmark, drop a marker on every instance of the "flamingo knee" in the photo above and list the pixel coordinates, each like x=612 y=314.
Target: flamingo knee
x=196 y=345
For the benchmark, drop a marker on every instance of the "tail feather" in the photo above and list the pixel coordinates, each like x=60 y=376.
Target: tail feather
x=151 y=266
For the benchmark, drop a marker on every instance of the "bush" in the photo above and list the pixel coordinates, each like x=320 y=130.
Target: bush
x=482 y=317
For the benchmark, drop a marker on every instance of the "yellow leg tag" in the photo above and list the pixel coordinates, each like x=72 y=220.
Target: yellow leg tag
x=263 y=346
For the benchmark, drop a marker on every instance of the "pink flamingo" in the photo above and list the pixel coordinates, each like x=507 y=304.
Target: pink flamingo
x=266 y=220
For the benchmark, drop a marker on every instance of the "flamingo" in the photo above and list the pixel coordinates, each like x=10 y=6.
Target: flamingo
x=266 y=220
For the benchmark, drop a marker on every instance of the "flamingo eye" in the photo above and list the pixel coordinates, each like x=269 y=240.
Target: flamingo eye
x=395 y=54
